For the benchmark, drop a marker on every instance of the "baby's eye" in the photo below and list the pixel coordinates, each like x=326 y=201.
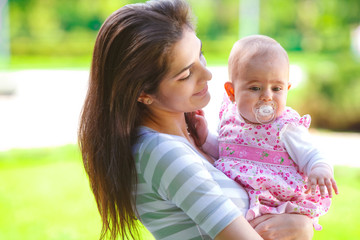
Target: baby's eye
x=276 y=89
x=255 y=88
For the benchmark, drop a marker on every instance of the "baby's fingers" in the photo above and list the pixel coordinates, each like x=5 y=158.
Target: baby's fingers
x=328 y=187
x=334 y=186
x=312 y=182
x=322 y=187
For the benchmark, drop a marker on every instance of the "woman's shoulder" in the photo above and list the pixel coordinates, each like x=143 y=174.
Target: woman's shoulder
x=154 y=148
x=168 y=157
x=150 y=140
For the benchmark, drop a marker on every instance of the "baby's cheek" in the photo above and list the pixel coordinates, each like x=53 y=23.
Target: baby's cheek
x=280 y=111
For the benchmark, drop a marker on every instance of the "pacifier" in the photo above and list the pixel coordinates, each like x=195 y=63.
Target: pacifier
x=265 y=111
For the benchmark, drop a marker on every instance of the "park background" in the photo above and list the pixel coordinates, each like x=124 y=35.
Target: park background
x=45 y=55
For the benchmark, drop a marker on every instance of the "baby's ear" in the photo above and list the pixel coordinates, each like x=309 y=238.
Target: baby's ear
x=229 y=88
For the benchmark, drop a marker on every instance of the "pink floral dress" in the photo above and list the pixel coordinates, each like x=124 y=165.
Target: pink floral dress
x=255 y=157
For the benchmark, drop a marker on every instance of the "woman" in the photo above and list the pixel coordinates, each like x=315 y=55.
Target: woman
x=138 y=138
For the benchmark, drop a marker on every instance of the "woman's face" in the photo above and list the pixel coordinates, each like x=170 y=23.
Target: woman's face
x=184 y=89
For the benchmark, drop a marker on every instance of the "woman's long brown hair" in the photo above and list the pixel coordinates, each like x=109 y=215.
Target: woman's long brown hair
x=131 y=56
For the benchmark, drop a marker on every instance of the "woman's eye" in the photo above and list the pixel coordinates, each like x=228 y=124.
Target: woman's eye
x=187 y=77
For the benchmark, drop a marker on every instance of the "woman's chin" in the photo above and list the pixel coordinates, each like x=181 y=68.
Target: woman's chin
x=205 y=101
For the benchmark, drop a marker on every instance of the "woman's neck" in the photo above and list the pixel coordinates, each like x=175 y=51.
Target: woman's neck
x=173 y=124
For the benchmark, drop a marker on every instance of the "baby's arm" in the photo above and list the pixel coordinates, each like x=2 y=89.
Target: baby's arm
x=321 y=174
x=310 y=160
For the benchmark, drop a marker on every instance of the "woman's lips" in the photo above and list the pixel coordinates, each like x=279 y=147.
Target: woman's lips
x=202 y=92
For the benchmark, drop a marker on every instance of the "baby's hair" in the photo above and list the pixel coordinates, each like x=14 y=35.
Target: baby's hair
x=251 y=46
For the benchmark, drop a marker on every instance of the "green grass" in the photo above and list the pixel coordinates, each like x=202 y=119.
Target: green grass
x=44 y=194
x=342 y=221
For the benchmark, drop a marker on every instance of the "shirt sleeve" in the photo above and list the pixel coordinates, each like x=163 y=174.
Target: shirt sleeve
x=298 y=143
x=179 y=175
x=211 y=145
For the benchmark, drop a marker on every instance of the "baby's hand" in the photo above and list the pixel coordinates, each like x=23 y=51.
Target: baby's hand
x=321 y=175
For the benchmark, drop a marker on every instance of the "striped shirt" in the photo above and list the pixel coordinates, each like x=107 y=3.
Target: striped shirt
x=180 y=195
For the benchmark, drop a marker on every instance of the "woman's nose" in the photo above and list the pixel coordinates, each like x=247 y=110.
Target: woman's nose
x=206 y=75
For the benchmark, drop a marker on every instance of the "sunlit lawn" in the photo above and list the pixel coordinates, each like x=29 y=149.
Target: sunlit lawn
x=44 y=195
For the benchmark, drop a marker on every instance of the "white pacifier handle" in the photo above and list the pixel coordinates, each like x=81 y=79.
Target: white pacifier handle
x=265 y=111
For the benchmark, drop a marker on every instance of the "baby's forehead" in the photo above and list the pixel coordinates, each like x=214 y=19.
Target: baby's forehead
x=256 y=50
x=243 y=56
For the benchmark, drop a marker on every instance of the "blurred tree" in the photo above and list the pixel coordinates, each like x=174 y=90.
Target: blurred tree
x=4 y=34
x=310 y=25
x=249 y=17
x=316 y=33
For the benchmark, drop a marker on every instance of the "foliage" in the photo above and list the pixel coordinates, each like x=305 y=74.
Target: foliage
x=55 y=27
x=61 y=34
x=330 y=90
x=311 y=26
x=315 y=26
x=58 y=27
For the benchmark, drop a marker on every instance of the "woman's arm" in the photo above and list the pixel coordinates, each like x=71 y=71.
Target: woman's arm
x=284 y=227
x=183 y=178
x=270 y=226
x=238 y=229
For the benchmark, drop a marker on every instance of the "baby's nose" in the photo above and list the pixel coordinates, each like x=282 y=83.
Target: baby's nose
x=266 y=96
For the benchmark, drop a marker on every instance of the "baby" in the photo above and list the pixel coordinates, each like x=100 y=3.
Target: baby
x=265 y=145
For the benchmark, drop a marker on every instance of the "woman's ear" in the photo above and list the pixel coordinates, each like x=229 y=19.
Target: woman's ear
x=145 y=99
x=229 y=88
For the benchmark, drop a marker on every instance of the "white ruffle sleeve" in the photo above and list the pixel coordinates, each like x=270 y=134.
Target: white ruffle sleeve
x=299 y=145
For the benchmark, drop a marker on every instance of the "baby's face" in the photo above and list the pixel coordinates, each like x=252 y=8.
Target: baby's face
x=261 y=79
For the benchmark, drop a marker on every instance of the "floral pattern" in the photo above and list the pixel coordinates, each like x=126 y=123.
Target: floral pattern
x=254 y=156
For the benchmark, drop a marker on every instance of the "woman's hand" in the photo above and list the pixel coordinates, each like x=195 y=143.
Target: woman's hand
x=201 y=126
x=283 y=227
x=238 y=229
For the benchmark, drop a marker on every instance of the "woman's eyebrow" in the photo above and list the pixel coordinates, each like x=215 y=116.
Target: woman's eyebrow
x=187 y=67
x=184 y=69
